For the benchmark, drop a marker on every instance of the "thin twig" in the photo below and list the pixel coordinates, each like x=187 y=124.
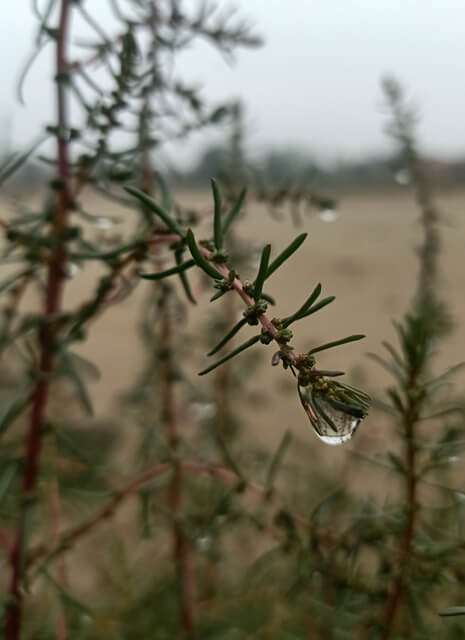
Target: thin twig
x=219 y=473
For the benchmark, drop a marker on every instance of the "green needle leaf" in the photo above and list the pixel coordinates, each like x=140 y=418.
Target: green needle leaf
x=66 y=596
x=391 y=367
x=217 y=295
x=262 y=271
x=200 y=260
x=6 y=478
x=318 y=306
x=237 y=327
x=237 y=206
x=183 y=276
x=268 y=298
x=451 y=371
x=453 y=611
x=276 y=461
x=217 y=227
x=179 y=268
x=29 y=62
x=71 y=370
x=336 y=343
x=305 y=307
x=233 y=353
x=287 y=253
x=15 y=161
x=7 y=282
x=13 y=405
x=153 y=206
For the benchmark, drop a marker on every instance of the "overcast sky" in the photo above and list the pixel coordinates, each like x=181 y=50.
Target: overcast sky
x=315 y=84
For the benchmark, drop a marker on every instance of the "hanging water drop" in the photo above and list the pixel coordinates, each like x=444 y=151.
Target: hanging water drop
x=203 y=543
x=71 y=269
x=402 y=177
x=335 y=410
x=104 y=223
x=203 y=410
x=328 y=215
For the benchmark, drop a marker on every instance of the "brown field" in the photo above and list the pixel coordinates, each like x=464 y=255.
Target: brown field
x=366 y=259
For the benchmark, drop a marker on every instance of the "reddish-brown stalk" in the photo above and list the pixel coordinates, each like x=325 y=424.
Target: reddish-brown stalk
x=397 y=587
x=5 y=539
x=181 y=550
x=52 y=305
x=61 y=575
x=182 y=553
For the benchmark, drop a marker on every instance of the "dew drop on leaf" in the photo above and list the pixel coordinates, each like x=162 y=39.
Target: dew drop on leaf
x=328 y=215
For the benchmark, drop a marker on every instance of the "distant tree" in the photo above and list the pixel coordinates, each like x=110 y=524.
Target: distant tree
x=211 y=163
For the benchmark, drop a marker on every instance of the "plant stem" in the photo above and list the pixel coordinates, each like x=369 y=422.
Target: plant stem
x=61 y=575
x=182 y=553
x=52 y=304
x=397 y=587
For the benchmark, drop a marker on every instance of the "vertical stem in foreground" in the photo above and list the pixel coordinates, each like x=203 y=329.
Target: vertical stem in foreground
x=397 y=587
x=61 y=625
x=182 y=554
x=427 y=322
x=52 y=305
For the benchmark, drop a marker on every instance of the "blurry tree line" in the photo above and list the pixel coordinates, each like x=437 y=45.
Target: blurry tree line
x=285 y=167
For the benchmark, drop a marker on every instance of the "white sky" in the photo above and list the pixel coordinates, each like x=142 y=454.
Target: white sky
x=315 y=83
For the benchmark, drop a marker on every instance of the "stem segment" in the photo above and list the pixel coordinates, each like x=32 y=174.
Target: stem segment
x=52 y=304
x=182 y=553
x=397 y=587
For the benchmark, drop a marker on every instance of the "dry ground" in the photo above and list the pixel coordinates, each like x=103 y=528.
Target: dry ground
x=366 y=259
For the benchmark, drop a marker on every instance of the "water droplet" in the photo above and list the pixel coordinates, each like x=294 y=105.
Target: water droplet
x=332 y=425
x=328 y=215
x=336 y=438
x=203 y=410
x=203 y=543
x=71 y=269
x=104 y=223
x=402 y=176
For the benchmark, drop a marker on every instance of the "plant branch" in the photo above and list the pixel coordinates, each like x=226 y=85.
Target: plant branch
x=219 y=473
x=52 y=303
x=182 y=553
x=397 y=587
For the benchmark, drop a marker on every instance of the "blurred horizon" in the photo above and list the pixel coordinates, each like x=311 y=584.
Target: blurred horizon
x=313 y=87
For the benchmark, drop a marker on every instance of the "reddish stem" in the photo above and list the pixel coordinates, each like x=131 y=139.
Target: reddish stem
x=182 y=553
x=52 y=305
x=237 y=286
x=397 y=586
